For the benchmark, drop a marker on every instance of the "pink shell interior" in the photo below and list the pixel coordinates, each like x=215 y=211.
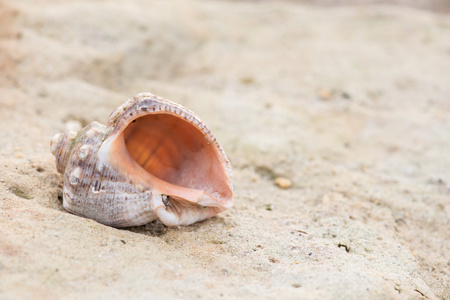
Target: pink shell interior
x=180 y=162
x=175 y=151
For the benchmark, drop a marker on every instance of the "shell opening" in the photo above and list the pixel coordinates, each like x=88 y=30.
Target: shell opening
x=177 y=152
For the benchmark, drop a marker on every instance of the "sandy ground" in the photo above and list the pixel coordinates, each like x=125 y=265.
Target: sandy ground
x=351 y=104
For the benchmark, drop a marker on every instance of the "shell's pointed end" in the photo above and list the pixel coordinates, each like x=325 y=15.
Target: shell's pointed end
x=60 y=146
x=55 y=141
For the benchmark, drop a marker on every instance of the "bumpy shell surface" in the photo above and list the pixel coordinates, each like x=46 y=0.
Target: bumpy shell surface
x=153 y=159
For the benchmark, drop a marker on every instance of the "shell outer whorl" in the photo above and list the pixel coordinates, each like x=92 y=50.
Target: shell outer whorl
x=93 y=189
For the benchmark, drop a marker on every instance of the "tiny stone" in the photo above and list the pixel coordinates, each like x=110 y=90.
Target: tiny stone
x=247 y=80
x=325 y=94
x=283 y=183
x=345 y=95
x=254 y=178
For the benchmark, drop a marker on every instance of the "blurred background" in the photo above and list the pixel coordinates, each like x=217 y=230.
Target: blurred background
x=440 y=6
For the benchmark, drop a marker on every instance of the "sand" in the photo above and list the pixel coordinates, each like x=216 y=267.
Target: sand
x=348 y=105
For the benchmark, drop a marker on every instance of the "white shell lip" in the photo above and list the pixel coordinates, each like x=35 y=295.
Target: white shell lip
x=169 y=219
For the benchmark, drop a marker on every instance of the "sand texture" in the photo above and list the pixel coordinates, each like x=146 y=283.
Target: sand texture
x=336 y=121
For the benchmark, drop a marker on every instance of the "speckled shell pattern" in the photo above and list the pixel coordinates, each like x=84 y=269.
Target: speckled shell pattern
x=100 y=186
x=94 y=189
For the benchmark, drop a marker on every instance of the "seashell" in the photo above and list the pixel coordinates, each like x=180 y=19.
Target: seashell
x=154 y=159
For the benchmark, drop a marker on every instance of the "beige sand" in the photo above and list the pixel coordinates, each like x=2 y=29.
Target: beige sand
x=351 y=104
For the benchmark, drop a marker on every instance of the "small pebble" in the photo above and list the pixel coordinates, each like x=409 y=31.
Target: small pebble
x=283 y=182
x=247 y=80
x=254 y=178
x=325 y=94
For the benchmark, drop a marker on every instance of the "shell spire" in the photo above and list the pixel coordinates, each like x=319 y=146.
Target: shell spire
x=61 y=146
x=153 y=159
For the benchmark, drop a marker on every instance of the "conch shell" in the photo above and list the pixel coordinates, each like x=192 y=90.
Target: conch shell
x=153 y=160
